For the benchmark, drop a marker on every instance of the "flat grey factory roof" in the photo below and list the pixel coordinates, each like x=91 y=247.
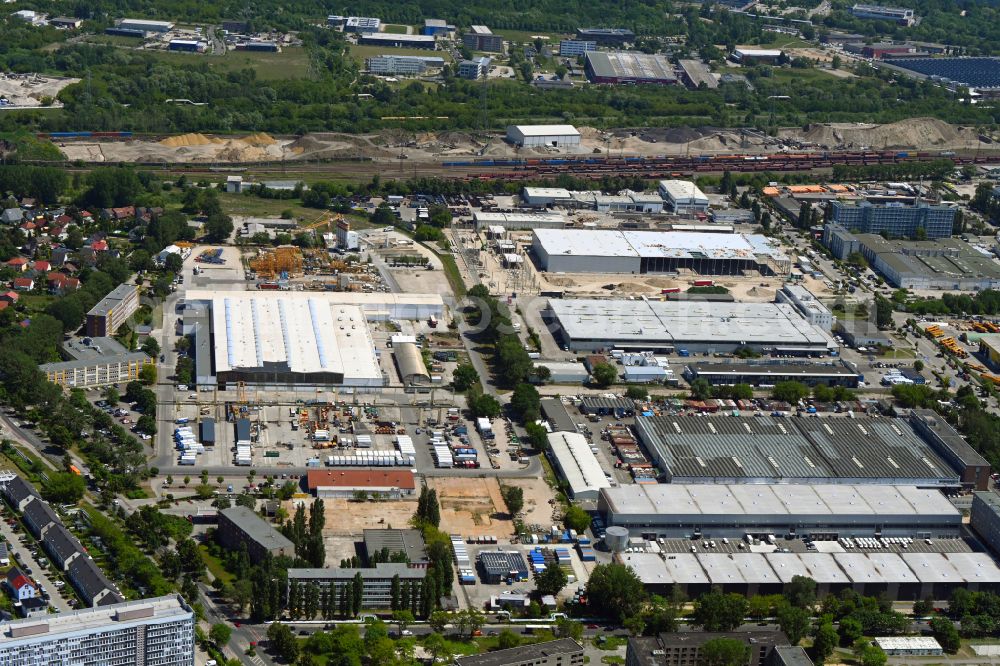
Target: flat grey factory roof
x=824 y=568
x=523 y=653
x=955 y=441
x=677 y=322
x=762 y=447
x=803 y=369
x=555 y=411
x=382 y=570
x=679 y=499
x=699 y=73
x=631 y=65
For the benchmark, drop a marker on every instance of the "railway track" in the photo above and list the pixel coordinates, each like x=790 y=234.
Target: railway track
x=535 y=169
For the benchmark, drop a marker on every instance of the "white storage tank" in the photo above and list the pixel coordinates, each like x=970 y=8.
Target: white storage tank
x=616 y=538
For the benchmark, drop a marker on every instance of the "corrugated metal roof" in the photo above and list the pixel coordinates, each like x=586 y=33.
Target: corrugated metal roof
x=578 y=463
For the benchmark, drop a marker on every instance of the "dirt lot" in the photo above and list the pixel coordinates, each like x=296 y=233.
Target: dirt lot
x=537 y=493
x=28 y=89
x=917 y=133
x=472 y=507
x=347 y=518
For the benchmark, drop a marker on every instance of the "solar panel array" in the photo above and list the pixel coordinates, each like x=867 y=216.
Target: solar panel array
x=971 y=72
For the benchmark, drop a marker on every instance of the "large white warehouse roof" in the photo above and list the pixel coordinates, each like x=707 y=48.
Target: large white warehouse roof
x=578 y=464
x=546 y=130
x=671 y=244
x=301 y=333
x=682 y=190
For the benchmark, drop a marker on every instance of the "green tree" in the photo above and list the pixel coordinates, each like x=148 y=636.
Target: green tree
x=794 y=622
x=790 y=391
x=526 y=403
x=220 y=634
x=147 y=374
x=723 y=652
x=438 y=621
x=604 y=374
x=576 y=519
x=513 y=496
x=464 y=377
x=946 y=634
x=484 y=405
x=701 y=389
x=507 y=640
x=883 y=312
x=918 y=365
x=64 y=488
x=551 y=581
x=636 y=392
x=537 y=436
x=615 y=591
x=801 y=592
x=716 y=611
x=850 y=631
x=824 y=641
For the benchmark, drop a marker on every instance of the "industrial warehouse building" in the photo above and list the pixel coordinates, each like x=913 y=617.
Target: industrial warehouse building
x=294 y=339
x=769 y=373
x=638 y=252
x=377 y=582
x=821 y=511
x=683 y=197
x=689 y=449
x=666 y=326
x=343 y=484
x=942 y=263
x=393 y=40
x=397 y=64
x=514 y=221
x=410 y=363
x=531 y=136
x=900 y=576
x=145 y=25
x=619 y=67
x=577 y=464
x=481 y=38
x=985 y=518
x=606 y=36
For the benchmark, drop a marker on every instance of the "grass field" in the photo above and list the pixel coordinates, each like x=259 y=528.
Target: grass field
x=238 y=204
x=361 y=52
x=780 y=41
x=291 y=63
x=396 y=29
x=527 y=36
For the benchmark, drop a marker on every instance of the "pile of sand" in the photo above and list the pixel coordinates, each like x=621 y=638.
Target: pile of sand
x=189 y=140
x=240 y=151
x=912 y=133
x=259 y=139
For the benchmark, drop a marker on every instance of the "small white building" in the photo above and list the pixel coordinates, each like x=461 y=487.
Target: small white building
x=683 y=197
x=530 y=136
x=234 y=184
x=541 y=197
x=910 y=646
x=805 y=302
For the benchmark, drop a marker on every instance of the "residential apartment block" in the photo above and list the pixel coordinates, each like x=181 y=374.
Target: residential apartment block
x=113 y=310
x=151 y=632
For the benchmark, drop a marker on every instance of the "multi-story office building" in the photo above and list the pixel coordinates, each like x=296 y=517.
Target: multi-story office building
x=113 y=310
x=570 y=48
x=239 y=525
x=606 y=36
x=100 y=371
x=151 y=632
x=481 y=38
x=474 y=69
x=805 y=302
x=900 y=15
x=393 y=64
x=684 y=648
x=377 y=582
x=896 y=221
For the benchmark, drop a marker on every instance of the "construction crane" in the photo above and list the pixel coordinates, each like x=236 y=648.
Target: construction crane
x=285 y=259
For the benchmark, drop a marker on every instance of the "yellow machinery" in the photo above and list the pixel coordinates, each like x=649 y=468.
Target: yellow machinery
x=286 y=259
